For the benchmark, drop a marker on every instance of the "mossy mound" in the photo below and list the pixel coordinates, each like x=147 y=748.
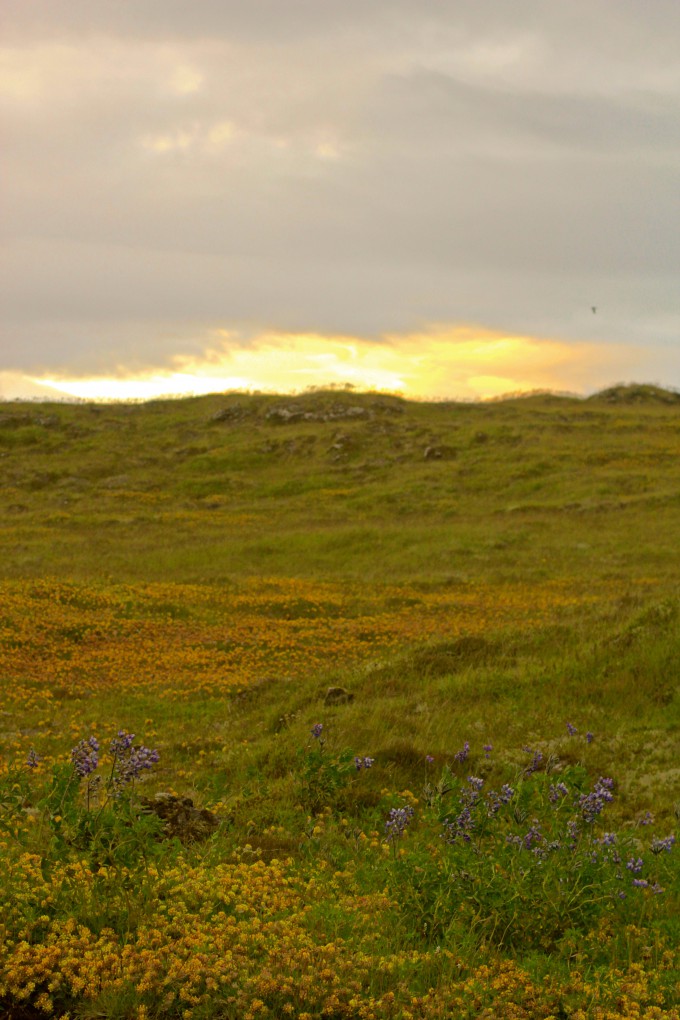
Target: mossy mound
x=637 y=393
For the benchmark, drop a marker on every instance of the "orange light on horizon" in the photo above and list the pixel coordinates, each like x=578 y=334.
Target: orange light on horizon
x=444 y=362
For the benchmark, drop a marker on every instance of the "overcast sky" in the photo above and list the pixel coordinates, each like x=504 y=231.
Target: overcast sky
x=197 y=183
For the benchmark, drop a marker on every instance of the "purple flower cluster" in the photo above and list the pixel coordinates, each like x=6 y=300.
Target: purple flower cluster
x=592 y=804
x=398 y=821
x=121 y=744
x=506 y=794
x=460 y=827
x=536 y=759
x=571 y=729
x=572 y=832
x=532 y=836
x=496 y=799
x=635 y=866
x=317 y=730
x=464 y=823
x=557 y=792
x=85 y=757
x=32 y=759
x=461 y=756
x=363 y=763
x=488 y=748
x=130 y=761
x=658 y=845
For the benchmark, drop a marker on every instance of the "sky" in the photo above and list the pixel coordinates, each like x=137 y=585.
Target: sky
x=433 y=197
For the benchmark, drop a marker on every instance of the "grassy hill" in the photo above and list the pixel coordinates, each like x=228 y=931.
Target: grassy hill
x=346 y=486
x=493 y=588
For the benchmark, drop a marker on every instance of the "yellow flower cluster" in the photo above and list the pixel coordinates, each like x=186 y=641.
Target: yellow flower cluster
x=176 y=641
x=252 y=940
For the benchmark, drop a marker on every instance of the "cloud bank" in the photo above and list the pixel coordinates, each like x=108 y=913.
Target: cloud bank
x=337 y=169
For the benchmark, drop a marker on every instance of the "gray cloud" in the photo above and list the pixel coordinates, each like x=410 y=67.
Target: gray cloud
x=334 y=167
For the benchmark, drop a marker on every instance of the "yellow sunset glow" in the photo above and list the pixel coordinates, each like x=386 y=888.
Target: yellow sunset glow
x=459 y=362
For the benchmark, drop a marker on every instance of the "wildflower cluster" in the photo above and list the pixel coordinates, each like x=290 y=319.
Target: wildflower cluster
x=537 y=836
x=536 y=760
x=129 y=762
x=166 y=639
x=397 y=822
x=462 y=755
x=89 y=811
x=659 y=845
x=592 y=804
x=259 y=937
x=323 y=776
x=519 y=866
x=85 y=757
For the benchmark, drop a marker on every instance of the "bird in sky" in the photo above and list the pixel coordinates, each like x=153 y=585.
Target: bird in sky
x=594 y=309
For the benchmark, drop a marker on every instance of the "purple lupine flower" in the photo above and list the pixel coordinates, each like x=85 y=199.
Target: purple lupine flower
x=647 y=819
x=429 y=759
x=488 y=748
x=557 y=792
x=129 y=761
x=656 y=889
x=493 y=803
x=641 y=883
x=635 y=866
x=461 y=827
x=496 y=799
x=571 y=729
x=85 y=756
x=32 y=759
x=470 y=796
x=317 y=730
x=120 y=744
x=398 y=821
x=534 y=764
x=461 y=756
x=659 y=845
x=589 y=737
x=608 y=839
x=533 y=835
x=363 y=763
x=592 y=804
x=573 y=832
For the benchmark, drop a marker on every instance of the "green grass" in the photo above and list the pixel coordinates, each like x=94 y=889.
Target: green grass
x=536 y=486
x=561 y=514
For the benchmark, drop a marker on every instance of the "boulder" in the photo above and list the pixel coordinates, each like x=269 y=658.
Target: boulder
x=180 y=818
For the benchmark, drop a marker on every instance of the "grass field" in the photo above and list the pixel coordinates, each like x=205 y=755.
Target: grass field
x=480 y=823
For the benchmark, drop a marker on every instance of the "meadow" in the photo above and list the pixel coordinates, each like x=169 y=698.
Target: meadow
x=481 y=821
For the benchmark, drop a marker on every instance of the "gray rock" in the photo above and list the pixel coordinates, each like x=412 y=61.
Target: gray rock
x=440 y=452
x=180 y=818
